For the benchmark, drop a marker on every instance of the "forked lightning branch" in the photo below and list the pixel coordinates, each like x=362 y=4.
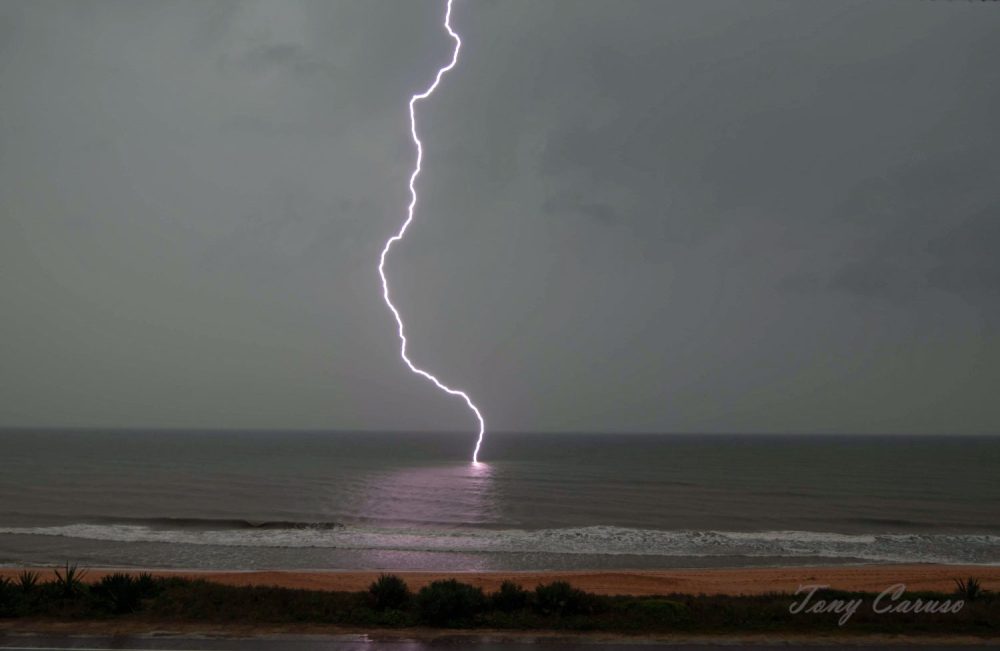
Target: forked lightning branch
x=406 y=224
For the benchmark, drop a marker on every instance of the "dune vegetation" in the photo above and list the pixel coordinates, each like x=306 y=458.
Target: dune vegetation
x=389 y=603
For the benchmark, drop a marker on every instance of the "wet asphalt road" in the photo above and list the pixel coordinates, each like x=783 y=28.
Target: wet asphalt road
x=362 y=643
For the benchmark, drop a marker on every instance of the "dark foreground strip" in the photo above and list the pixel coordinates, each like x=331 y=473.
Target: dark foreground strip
x=360 y=643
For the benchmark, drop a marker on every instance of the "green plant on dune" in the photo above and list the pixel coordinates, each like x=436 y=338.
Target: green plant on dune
x=969 y=589
x=121 y=593
x=69 y=581
x=148 y=586
x=27 y=580
x=389 y=592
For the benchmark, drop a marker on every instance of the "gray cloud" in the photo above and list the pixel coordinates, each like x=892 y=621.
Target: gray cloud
x=637 y=215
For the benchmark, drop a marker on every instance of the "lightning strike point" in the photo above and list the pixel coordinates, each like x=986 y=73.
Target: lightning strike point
x=406 y=224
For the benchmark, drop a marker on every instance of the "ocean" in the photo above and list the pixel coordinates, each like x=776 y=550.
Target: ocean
x=339 y=500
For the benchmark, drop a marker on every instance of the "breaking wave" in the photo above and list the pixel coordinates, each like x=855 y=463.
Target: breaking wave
x=594 y=540
x=222 y=524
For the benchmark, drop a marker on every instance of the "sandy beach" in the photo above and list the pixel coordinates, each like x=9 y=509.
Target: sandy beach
x=869 y=578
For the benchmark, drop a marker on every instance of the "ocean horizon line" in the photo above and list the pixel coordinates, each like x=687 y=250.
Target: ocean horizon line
x=11 y=429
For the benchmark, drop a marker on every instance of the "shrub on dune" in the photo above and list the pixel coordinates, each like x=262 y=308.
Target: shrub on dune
x=560 y=598
x=450 y=603
x=121 y=593
x=509 y=598
x=389 y=592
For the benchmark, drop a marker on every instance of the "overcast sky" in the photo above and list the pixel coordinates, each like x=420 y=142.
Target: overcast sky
x=636 y=216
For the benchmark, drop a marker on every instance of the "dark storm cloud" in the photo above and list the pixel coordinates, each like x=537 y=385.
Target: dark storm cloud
x=634 y=215
x=938 y=228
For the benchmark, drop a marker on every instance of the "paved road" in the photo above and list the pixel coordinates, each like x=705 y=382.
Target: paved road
x=361 y=643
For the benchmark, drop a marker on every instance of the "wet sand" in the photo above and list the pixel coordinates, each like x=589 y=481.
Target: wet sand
x=867 y=578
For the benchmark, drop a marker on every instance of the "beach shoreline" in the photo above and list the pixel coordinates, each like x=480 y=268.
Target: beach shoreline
x=714 y=581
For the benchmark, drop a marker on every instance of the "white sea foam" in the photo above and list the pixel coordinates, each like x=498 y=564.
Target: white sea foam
x=596 y=540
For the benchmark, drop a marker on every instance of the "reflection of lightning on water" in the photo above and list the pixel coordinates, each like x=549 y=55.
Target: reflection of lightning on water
x=406 y=224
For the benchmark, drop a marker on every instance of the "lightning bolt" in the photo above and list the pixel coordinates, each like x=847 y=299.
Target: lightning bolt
x=406 y=224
